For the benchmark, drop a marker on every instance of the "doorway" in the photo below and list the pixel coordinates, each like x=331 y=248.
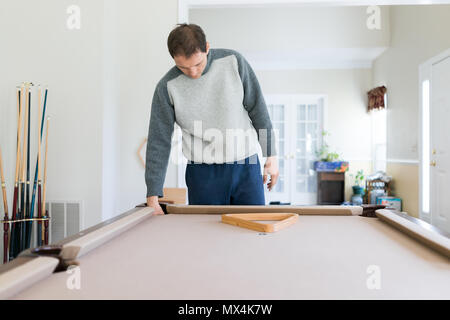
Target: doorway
x=298 y=124
x=435 y=145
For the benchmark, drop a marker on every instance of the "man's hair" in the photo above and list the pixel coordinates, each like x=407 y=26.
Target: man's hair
x=186 y=39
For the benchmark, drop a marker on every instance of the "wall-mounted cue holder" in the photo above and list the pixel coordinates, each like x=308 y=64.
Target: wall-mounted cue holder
x=29 y=208
x=23 y=220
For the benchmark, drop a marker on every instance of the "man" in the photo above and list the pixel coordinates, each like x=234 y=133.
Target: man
x=215 y=98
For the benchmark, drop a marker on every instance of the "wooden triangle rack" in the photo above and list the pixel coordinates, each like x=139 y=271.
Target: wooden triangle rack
x=248 y=220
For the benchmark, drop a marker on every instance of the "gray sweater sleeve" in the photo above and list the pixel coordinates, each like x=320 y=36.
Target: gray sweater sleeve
x=160 y=133
x=256 y=107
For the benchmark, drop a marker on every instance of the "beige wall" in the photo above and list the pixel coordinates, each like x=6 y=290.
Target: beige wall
x=417 y=34
x=346 y=117
x=405 y=185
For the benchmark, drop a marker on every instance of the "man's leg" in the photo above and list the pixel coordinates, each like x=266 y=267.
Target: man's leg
x=248 y=188
x=208 y=184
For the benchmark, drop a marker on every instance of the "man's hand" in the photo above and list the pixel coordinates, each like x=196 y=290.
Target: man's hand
x=153 y=203
x=271 y=168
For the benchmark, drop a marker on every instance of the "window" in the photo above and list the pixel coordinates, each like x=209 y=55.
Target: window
x=379 y=138
x=426 y=147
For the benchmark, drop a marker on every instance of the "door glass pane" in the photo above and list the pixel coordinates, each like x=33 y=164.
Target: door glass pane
x=311 y=131
x=312 y=186
x=313 y=147
x=301 y=184
x=301 y=167
x=301 y=112
x=301 y=148
x=270 y=109
x=279 y=187
x=301 y=131
x=311 y=170
x=312 y=112
x=279 y=126
x=281 y=167
x=280 y=148
x=278 y=112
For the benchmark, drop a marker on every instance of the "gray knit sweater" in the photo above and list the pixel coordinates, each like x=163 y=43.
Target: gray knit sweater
x=222 y=116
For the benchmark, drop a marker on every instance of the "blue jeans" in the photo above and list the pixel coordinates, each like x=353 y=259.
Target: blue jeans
x=235 y=183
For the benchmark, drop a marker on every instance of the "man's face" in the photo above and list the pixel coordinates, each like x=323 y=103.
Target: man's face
x=194 y=65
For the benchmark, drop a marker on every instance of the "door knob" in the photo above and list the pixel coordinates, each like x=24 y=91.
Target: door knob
x=433 y=163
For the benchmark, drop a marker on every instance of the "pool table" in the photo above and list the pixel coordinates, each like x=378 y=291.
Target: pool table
x=330 y=252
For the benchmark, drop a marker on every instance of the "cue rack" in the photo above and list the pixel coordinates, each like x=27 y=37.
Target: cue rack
x=28 y=205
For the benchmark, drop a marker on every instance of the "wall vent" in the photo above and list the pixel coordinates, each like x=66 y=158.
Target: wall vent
x=66 y=219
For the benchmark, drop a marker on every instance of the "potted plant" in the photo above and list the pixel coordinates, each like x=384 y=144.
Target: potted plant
x=358 y=188
x=329 y=160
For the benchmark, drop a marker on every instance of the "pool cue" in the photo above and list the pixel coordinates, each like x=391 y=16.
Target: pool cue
x=5 y=205
x=22 y=211
x=37 y=174
x=43 y=235
x=27 y=190
x=27 y=185
x=46 y=222
x=14 y=228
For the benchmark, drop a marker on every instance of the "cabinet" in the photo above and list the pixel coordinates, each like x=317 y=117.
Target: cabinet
x=330 y=188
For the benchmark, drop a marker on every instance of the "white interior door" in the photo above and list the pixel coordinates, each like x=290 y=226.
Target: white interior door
x=440 y=144
x=298 y=121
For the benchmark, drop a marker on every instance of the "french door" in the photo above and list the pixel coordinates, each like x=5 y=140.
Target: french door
x=298 y=124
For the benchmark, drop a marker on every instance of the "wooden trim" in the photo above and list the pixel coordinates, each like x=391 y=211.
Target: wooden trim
x=27 y=255
x=23 y=272
x=420 y=223
x=430 y=242
x=331 y=210
x=17 y=262
x=97 y=226
x=408 y=162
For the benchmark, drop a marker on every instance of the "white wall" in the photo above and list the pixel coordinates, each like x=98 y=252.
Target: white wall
x=36 y=46
x=101 y=80
x=298 y=28
x=144 y=59
x=290 y=28
x=417 y=34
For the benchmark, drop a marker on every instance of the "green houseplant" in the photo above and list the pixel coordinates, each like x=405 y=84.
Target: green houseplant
x=328 y=160
x=358 y=188
x=324 y=153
